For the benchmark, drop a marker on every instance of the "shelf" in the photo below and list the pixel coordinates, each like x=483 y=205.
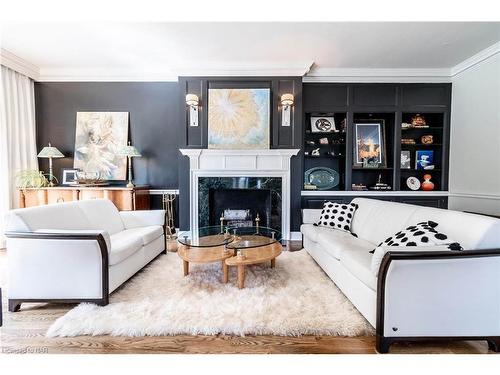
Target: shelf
x=371 y=169
x=426 y=129
x=422 y=144
x=418 y=193
x=413 y=170
x=324 y=157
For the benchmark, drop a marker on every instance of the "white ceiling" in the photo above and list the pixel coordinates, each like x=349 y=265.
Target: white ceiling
x=171 y=49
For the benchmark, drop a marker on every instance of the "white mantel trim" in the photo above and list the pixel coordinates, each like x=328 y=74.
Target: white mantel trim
x=240 y=163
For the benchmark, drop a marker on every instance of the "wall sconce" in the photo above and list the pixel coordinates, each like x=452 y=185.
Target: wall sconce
x=192 y=101
x=286 y=102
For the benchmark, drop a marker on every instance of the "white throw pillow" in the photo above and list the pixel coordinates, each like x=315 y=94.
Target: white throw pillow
x=380 y=252
x=337 y=216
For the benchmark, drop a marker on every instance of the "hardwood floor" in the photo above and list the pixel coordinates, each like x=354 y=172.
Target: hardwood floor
x=23 y=332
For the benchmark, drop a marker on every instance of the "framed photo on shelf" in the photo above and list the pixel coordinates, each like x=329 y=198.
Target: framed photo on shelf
x=405 y=159
x=323 y=124
x=369 y=142
x=424 y=159
x=69 y=176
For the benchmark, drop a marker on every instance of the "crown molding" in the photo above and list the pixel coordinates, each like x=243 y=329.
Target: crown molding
x=378 y=75
x=105 y=75
x=18 y=64
x=476 y=59
x=297 y=69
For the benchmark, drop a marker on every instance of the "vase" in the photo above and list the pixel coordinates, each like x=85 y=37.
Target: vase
x=427 y=185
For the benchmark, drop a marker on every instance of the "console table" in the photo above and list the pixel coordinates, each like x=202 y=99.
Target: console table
x=125 y=199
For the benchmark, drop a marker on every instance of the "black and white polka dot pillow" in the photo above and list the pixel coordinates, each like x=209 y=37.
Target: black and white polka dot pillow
x=337 y=216
x=421 y=234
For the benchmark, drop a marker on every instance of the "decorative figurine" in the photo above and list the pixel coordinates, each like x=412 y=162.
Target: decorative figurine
x=427 y=139
x=315 y=152
x=418 y=121
x=427 y=185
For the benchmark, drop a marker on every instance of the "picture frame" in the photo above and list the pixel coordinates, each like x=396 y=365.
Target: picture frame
x=239 y=116
x=323 y=124
x=424 y=160
x=369 y=142
x=405 y=159
x=68 y=176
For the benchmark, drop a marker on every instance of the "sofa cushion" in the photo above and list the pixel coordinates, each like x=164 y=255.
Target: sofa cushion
x=123 y=245
x=65 y=216
x=334 y=242
x=146 y=234
x=470 y=230
x=311 y=231
x=102 y=214
x=358 y=262
x=375 y=220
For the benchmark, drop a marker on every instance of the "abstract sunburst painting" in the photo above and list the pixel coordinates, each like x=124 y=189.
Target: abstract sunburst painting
x=238 y=118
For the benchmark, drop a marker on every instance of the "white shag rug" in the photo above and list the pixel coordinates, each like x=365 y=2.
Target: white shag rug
x=295 y=298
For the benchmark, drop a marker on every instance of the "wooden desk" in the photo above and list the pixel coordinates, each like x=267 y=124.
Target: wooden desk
x=125 y=199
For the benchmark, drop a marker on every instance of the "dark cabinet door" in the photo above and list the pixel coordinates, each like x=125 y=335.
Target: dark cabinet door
x=322 y=97
x=425 y=95
x=374 y=95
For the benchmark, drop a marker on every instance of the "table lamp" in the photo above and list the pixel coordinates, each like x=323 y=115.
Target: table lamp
x=130 y=152
x=49 y=152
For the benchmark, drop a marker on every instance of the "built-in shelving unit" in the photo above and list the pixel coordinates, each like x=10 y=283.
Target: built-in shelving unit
x=392 y=105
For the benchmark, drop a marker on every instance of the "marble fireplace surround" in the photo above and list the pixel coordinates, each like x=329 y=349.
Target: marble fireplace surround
x=240 y=163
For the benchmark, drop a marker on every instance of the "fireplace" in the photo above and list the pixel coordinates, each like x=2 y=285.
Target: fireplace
x=258 y=195
x=240 y=169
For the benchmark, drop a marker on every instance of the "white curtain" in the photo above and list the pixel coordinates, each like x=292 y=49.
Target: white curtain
x=17 y=136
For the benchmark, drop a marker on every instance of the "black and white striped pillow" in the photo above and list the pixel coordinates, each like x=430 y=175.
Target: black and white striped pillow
x=337 y=216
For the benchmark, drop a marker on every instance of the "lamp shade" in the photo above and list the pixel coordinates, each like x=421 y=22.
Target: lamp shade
x=128 y=150
x=287 y=99
x=50 y=152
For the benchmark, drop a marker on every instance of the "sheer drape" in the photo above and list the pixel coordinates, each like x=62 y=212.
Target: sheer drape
x=17 y=136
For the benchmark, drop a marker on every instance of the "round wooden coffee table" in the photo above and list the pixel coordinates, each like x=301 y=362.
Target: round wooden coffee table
x=207 y=245
x=254 y=256
x=231 y=246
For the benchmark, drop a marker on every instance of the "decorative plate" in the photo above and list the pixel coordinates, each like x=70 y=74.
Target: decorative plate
x=324 y=178
x=413 y=183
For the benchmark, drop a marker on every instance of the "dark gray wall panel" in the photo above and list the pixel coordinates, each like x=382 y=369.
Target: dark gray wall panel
x=153 y=122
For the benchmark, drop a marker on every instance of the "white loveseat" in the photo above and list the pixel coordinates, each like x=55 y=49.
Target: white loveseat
x=78 y=251
x=417 y=293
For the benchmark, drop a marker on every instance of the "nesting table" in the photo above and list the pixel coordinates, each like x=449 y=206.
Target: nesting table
x=231 y=246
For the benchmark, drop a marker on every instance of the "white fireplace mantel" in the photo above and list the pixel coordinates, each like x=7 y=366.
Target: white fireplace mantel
x=240 y=163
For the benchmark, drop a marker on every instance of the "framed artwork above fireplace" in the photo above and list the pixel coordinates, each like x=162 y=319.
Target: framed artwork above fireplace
x=239 y=118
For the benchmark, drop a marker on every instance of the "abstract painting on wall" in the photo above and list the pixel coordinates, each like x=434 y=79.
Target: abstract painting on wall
x=239 y=118
x=99 y=135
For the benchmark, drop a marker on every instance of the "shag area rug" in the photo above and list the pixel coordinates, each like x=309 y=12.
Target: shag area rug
x=295 y=298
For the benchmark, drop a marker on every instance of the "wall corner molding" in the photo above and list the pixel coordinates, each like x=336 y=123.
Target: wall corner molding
x=19 y=65
x=476 y=59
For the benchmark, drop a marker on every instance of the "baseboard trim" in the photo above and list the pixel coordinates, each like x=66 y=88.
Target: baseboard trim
x=295 y=236
x=475 y=195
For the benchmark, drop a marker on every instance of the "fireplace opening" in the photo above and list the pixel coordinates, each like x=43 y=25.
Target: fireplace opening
x=240 y=207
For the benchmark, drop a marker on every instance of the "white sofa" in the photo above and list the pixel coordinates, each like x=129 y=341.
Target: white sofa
x=78 y=251
x=417 y=294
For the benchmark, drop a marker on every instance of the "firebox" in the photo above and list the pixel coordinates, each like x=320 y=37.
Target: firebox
x=240 y=206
